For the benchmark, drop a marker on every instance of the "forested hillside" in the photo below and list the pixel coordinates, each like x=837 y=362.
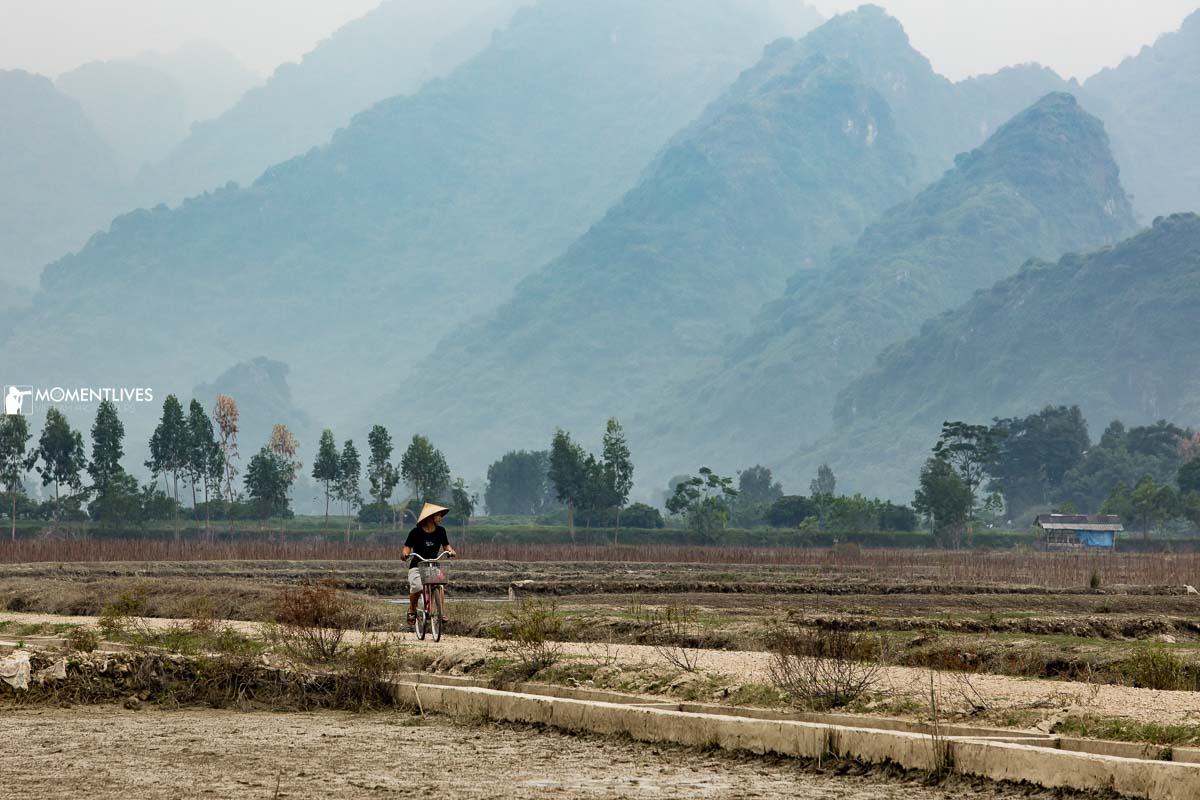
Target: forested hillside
x=797 y=157
x=648 y=294
x=349 y=262
x=58 y=180
x=940 y=118
x=1044 y=184
x=1114 y=331
x=390 y=51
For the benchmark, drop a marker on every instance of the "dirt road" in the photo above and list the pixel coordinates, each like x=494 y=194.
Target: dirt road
x=106 y=752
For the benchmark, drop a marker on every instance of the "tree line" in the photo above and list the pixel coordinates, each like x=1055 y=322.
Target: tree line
x=1017 y=467
x=568 y=483
x=199 y=453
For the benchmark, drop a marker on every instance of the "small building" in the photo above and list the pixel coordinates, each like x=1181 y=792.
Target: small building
x=1079 y=531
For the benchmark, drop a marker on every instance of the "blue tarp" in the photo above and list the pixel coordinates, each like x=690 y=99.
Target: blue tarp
x=1095 y=538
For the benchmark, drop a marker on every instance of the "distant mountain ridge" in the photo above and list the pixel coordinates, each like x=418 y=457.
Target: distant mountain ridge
x=349 y=262
x=941 y=118
x=1151 y=105
x=774 y=179
x=143 y=106
x=392 y=50
x=140 y=111
x=1045 y=183
x=647 y=298
x=59 y=181
x=1114 y=331
x=260 y=388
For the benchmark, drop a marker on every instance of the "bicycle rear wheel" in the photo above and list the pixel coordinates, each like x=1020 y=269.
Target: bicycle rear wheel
x=422 y=615
x=435 y=614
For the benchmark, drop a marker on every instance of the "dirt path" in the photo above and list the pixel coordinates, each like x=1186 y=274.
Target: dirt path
x=106 y=752
x=994 y=691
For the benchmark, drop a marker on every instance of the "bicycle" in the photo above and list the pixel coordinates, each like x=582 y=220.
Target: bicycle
x=429 y=603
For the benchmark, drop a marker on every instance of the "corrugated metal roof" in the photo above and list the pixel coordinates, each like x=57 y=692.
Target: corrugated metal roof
x=1080 y=526
x=1080 y=522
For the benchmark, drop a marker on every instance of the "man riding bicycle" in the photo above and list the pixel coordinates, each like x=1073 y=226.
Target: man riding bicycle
x=427 y=540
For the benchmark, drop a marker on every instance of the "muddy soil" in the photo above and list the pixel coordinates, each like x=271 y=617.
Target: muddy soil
x=740 y=583
x=105 y=752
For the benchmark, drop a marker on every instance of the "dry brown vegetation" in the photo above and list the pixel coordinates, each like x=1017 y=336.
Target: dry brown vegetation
x=314 y=619
x=820 y=670
x=589 y=616
x=1018 y=567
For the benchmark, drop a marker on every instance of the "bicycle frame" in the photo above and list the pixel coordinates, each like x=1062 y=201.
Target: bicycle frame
x=429 y=604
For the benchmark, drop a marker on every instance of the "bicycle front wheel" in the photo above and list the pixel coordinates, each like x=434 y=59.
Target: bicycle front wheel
x=435 y=615
x=422 y=614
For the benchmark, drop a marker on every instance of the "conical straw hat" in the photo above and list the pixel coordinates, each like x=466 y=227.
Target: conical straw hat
x=428 y=510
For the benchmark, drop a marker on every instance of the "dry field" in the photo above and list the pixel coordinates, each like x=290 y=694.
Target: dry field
x=106 y=752
x=1085 y=649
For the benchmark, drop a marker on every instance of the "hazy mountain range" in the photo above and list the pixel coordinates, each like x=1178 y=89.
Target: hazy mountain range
x=349 y=262
x=1114 y=331
x=392 y=50
x=1151 y=104
x=800 y=154
x=144 y=106
x=482 y=219
x=787 y=169
x=1045 y=183
x=59 y=180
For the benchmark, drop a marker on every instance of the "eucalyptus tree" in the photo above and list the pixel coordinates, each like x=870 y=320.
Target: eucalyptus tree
x=59 y=457
x=14 y=464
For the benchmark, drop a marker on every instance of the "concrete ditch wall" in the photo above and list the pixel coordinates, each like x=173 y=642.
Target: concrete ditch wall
x=998 y=758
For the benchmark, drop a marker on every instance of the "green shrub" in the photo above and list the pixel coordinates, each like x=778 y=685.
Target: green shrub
x=1153 y=666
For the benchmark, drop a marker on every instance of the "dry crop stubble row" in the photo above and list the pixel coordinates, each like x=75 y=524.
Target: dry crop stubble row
x=1014 y=567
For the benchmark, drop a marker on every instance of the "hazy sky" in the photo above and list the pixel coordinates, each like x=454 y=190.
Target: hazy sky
x=53 y=36
x=960 y=37
x=1074 y=37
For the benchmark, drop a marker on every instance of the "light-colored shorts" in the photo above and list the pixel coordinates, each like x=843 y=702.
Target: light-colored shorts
x=414 y=581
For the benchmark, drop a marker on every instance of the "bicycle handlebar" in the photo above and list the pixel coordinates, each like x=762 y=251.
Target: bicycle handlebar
x=441 y=555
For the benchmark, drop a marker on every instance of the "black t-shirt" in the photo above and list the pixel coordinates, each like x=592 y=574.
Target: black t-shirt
x=426 y=543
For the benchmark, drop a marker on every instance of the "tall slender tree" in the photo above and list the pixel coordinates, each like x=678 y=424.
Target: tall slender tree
x=381 y=473
x=349 y=476
x=284 y=445
x=972 y=450
x=59 y=457
x=14 y=438
x=169 y=449
x=618 y=468
x=824 y=484
x=225 y=413
x=203 y=457
x=569 y=474
x=325 y=467
x=462 y=502
x=108 y=433
x=266 y=483
x=424 y=468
